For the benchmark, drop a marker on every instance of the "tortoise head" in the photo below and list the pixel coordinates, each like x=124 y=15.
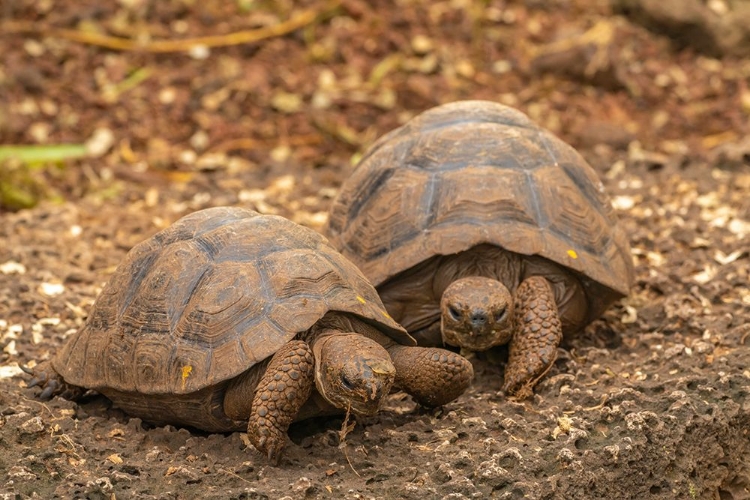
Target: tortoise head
x=476 y=313
x=353 y=372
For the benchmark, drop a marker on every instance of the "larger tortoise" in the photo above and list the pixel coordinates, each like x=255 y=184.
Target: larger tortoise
x=479 y=228
x=228 y=319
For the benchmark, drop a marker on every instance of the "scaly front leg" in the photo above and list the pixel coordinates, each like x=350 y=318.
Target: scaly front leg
x=538 y=332
x=281 y=392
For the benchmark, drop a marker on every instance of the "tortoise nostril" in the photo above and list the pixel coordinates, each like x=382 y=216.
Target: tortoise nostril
x=478 y=318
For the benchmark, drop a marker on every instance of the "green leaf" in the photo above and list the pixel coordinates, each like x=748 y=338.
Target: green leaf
x=44 y=153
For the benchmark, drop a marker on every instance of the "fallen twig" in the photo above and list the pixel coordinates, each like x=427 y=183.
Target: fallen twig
x=346 y=428
x=161 y=46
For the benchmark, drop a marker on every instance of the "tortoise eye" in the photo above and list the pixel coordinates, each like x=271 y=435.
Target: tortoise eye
x=346 y=383
x=500 y=315
x=454 y=312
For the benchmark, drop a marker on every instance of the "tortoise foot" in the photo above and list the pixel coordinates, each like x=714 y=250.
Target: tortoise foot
x=281 y=392
x=533 y=348
x=267 y=438
x=51 y=383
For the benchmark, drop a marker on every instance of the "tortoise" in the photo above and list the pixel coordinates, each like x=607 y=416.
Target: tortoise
x=479 y=228
x=228 y=319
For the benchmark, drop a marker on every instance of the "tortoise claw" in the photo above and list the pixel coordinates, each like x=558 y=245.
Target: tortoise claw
x=41 y=378
x=272 y=452
x=45 y=377
x=274 y=456
x=33 y=382
x=49 y=390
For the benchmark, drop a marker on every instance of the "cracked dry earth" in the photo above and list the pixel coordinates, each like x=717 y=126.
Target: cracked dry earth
x=651 y=401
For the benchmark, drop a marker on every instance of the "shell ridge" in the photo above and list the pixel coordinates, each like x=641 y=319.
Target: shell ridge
x=540 y=217
x=369 y=188
x=341 y=272
x=144 y=266
x=176 y=314
x=601 y=208
x=330 y=278
x=386 y=321
x=543 y=139
x=265 y=291
x=205 y=245
x=432 y=198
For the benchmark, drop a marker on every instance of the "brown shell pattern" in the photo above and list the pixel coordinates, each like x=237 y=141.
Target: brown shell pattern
x=474 y=172
x=207 y=298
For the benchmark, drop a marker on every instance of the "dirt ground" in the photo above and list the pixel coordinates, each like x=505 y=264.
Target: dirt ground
x=651 y=401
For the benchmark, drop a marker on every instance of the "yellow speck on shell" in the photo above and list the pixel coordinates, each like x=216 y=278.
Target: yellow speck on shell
x=361 y=299
x=573 y=254
x=386 y=314
x=186 y=370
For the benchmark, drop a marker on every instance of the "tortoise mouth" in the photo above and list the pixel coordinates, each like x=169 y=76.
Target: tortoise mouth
x=362 y=407
x=364 y=400
x=475 y=339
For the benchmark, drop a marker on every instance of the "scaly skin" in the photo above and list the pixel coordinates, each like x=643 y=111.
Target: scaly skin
x=533 y=348
x=281 y=392
x=432 y=376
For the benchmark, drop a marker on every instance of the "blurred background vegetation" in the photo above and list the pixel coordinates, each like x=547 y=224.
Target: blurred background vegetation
x=96 y=98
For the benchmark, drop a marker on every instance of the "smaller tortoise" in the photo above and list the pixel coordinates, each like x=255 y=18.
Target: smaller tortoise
x=228 y=319
x=479 y=228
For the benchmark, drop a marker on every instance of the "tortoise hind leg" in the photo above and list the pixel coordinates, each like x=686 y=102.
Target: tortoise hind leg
x=278 y=397
x=432 y=376
x=51 y=383
x=538 y=332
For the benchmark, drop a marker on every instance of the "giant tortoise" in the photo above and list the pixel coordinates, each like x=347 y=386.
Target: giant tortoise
x=479 y=228
x=228 y=320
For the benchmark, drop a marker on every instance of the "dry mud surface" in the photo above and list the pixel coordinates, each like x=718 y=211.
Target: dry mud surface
x=651 y=401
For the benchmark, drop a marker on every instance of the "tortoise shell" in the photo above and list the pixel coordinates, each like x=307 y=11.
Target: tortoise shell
x=209 y=297
x=474 y=172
